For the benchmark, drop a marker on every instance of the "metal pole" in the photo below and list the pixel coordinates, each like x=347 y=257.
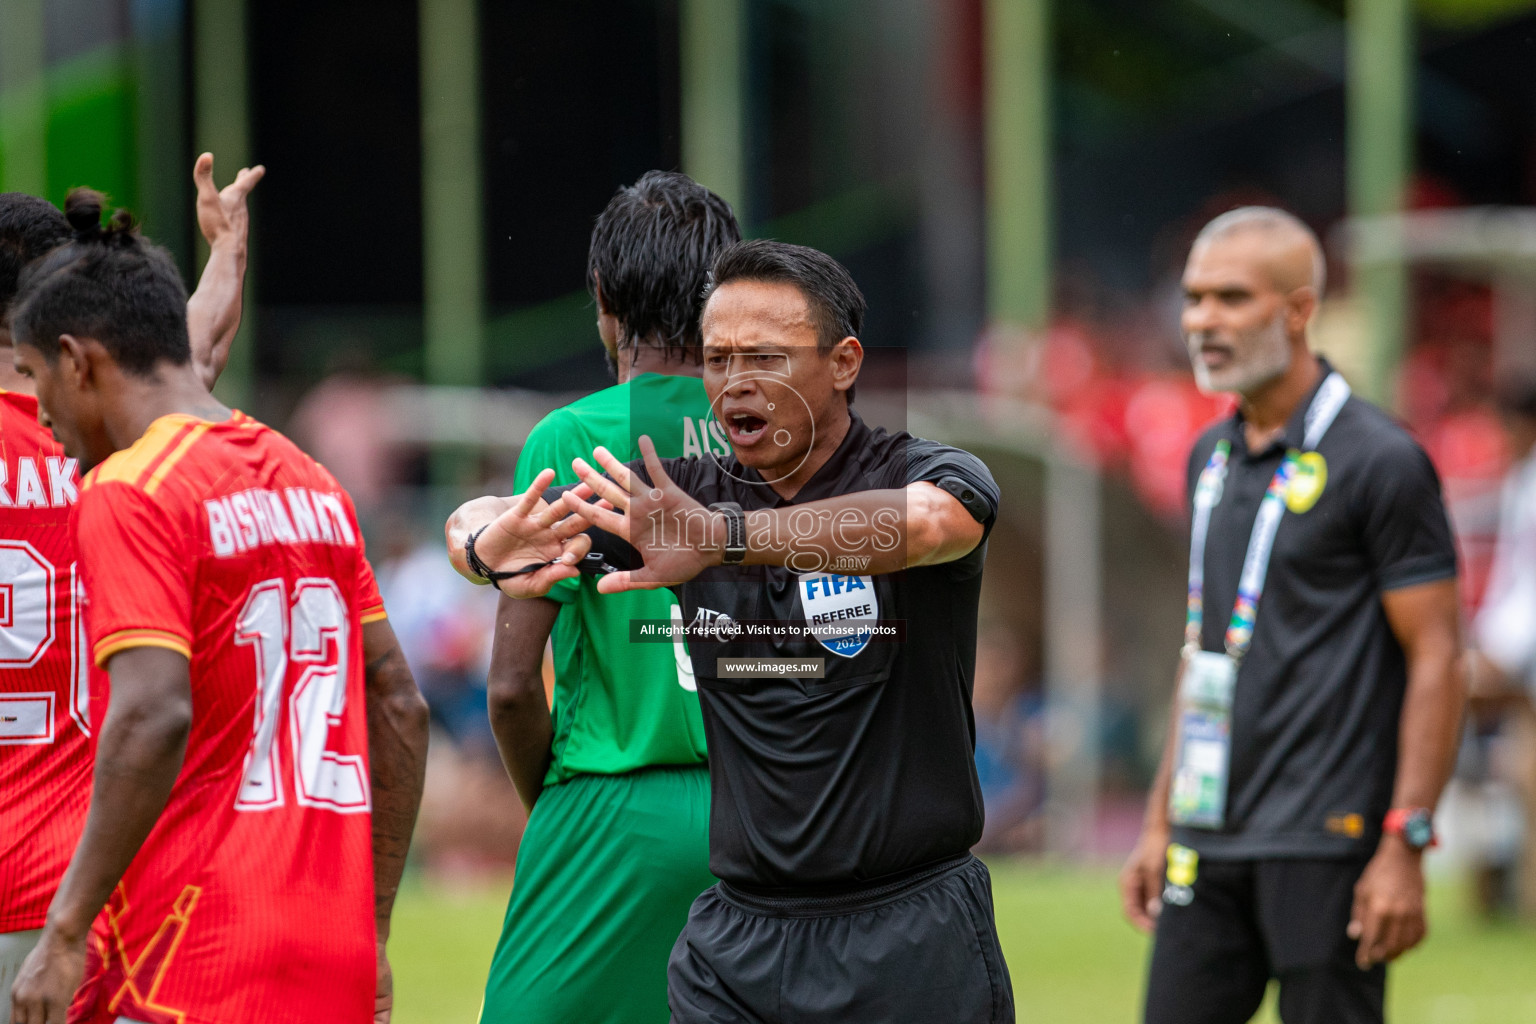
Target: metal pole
x=23 y=99
x=162 y=167
x=1019 y=193
x=452 y=233
x=453 y=243
x=714 y=95
x=221 y=126
x=1018 y=162
x=1073 y=664
x=1514 y=323
x=1379 y=103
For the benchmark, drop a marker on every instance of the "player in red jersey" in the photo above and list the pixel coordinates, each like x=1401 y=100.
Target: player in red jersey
x=261 y=744
x=44 y=663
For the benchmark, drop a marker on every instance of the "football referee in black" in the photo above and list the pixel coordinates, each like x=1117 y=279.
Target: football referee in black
x=845 y=798
x=1318 y=707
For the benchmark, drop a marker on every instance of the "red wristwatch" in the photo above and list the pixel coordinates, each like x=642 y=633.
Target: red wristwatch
x=1413 y=825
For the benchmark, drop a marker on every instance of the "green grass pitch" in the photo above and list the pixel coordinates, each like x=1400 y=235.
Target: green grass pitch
x=1074 y=961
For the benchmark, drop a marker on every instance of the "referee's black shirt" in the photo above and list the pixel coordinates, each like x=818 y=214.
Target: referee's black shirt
x=1315 y=716
x=870 y=771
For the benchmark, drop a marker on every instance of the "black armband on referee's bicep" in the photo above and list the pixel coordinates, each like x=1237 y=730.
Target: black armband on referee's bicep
x=968 y=496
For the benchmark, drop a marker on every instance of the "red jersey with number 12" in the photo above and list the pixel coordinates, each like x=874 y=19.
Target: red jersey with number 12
x=45 y=755
x=252 y=898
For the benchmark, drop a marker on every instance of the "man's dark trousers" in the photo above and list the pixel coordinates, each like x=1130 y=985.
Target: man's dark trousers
x=1242 y=922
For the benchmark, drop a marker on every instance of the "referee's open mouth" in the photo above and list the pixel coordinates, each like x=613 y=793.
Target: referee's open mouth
x=745 y=428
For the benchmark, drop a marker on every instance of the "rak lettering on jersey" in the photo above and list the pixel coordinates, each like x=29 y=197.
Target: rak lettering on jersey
x=224 y=542
x=22 y=482
x=45 y=755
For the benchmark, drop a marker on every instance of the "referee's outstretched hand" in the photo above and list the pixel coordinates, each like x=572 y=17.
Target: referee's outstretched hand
x=531 y=531
x=671 y=532
x=1388 y=914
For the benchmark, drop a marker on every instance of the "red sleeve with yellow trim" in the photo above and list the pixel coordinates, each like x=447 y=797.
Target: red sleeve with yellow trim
x=369 y=602
x=368 y=598
x=137 y=567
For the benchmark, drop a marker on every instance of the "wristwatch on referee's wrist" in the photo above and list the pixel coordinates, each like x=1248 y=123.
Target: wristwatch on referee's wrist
x=1415 y=826
x=734 y=551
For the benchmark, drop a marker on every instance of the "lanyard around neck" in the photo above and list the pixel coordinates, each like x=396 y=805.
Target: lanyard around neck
x=1330 y=398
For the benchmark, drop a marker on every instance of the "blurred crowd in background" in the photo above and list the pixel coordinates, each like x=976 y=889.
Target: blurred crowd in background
x=1112 y=376
x=416 y=307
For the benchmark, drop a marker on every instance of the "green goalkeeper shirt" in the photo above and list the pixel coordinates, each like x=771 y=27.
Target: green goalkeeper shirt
x=620 y=706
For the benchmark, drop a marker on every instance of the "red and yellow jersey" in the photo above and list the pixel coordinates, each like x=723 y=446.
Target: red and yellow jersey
x=45 y=756
x=252 y=898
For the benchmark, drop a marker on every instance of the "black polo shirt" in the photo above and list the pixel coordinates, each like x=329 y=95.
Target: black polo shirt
x=1315 y=715
x=870 y=771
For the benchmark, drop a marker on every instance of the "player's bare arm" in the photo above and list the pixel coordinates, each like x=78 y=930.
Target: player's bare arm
x=214 y=310
x=519 y=708
x=526 y=531
x=397 y=767
x=898 y=528
x=1388 y=916
x=138 y=756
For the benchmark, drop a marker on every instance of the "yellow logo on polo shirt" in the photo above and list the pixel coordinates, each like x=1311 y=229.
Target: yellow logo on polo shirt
x=1308 y=479
x=1183 y=865
x=1351 y=825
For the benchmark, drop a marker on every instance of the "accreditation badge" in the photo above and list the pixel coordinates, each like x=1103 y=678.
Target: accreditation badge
x=1198 y=796
x=1183 y=866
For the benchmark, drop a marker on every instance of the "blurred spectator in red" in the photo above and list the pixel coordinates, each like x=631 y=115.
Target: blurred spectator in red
x=343 y=422
x=1142 y=422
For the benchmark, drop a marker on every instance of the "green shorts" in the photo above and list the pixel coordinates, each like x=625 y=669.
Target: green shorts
x=606 y=872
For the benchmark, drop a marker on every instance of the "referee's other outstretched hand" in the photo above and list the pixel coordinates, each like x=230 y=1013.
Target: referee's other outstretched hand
x=532 y=531
x=1388 y=913
x=673 y=534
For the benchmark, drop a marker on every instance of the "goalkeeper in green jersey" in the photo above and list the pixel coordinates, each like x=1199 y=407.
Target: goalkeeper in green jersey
x=614 y=775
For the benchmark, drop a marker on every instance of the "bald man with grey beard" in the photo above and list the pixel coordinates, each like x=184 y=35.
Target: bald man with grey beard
x=1317 y=707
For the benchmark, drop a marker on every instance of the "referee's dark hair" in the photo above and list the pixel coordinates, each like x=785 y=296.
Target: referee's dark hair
x=650 y=253
x=835 y=302
x=109 y=284
x=29 y=228
x=833 y=298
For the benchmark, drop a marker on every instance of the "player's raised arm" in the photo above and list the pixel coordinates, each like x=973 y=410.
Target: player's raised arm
x=213 y=311
x=397 y=768
x=138 y=757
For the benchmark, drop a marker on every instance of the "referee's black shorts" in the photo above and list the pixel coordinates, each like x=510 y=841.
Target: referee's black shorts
x=1241 y=923
x=922 y=949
